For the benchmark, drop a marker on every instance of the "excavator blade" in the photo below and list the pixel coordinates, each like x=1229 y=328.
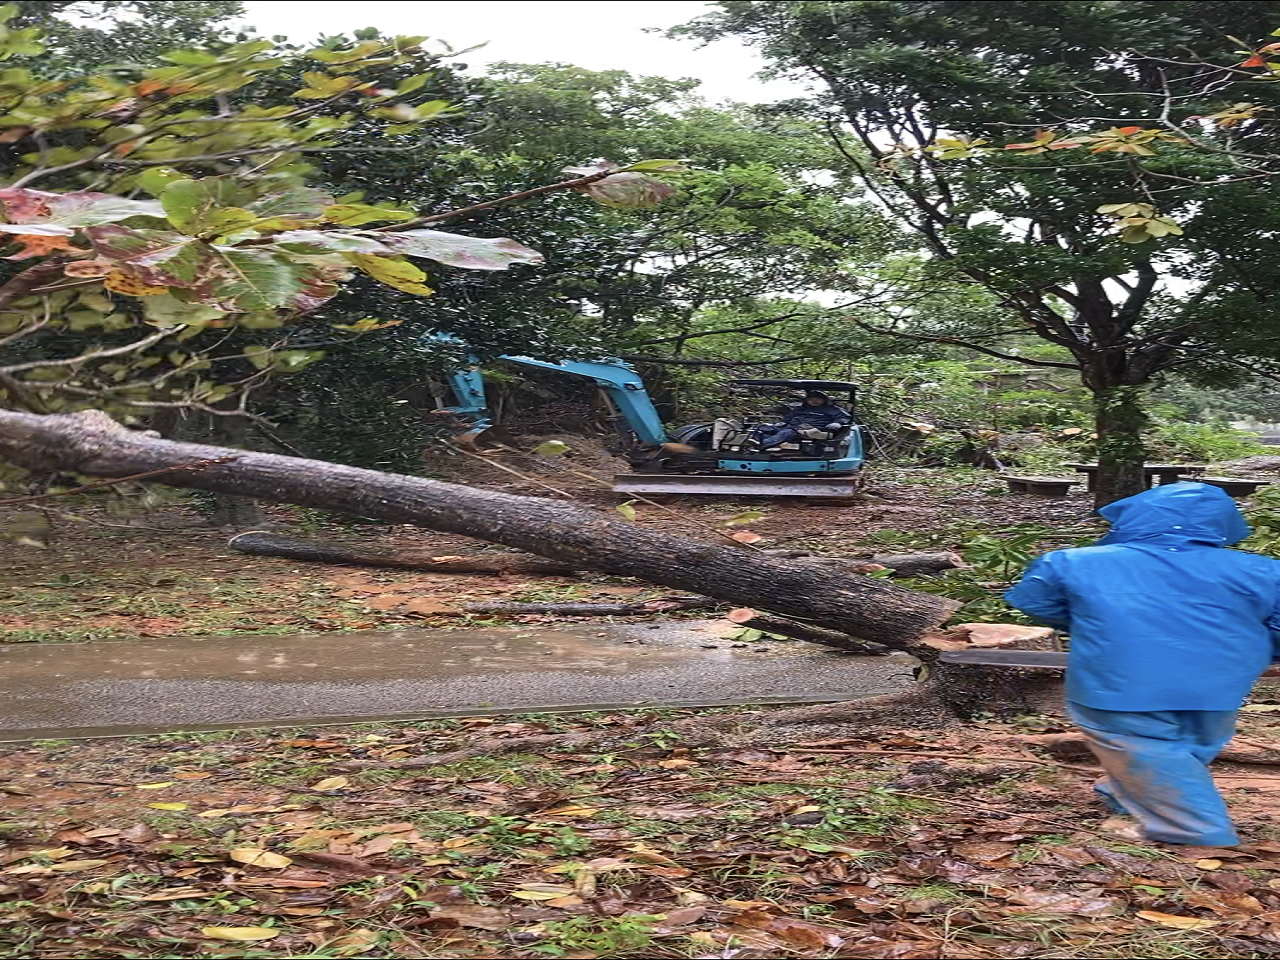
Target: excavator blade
x=729 y=485
x=1025 y=659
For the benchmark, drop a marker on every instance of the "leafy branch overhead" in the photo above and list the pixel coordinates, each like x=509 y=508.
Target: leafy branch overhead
x=1216 y=132
x=173 y=200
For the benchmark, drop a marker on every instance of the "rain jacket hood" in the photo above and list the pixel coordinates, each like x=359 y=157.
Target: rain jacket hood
x=1176 y=512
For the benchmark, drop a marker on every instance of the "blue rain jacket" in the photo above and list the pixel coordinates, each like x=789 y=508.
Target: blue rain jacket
x=1160 y=616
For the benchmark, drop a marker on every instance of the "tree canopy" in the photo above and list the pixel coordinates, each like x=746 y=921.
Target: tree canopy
x=910 y=88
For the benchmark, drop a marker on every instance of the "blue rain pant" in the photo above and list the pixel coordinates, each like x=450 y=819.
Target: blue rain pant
x=778 y=437
x=1157 y=766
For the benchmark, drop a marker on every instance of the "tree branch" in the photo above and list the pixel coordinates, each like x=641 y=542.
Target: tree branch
x=86 y=357
x=967 y=345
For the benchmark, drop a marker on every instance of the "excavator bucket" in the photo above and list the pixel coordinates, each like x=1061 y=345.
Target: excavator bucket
x=730 y=485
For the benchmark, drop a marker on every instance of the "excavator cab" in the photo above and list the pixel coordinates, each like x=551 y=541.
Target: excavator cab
x=720 y=458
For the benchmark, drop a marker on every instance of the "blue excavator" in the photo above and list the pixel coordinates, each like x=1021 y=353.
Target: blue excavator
x=721 y=457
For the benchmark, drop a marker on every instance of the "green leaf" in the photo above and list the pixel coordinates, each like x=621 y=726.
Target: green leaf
x=253 y=280
x=746 y=516
x=190 y=204
x=627 y=509
x=668 y=165
x=166 y=310
x=552 y=448
x=321 y=86
x=410 y=84
x=472 y=253
x=156 y=179
x=300 y=204
x=355 y=214
x=393 y=271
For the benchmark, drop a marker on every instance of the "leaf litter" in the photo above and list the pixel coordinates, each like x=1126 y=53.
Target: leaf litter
x=645 y=849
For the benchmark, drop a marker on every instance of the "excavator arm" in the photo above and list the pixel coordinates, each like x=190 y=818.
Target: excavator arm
x=620 y=383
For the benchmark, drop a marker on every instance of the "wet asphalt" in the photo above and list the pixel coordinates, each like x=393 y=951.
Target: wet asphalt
x=198 y=683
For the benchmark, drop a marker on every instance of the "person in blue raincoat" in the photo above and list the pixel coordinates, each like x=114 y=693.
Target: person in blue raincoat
x=1169 y=632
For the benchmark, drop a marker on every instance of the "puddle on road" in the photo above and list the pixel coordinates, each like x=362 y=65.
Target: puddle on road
x=193 y=683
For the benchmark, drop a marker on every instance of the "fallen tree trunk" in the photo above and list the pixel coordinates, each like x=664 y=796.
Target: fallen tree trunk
x=92 y=443
x=595 y=609
x=263 y=544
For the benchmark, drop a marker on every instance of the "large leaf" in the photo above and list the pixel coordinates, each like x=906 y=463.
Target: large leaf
x=158 y=257
x=306 y=241
x=296 y=205
x=81 y=208
x=472 y=253
x=354 y=214
x=253 y=279
x=394 y=272
x=191 y=204
x=629 y=191
x=166 y=310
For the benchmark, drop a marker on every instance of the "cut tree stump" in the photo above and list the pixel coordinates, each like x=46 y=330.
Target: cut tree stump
x=263 y=544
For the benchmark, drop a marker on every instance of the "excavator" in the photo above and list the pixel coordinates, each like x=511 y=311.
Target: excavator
x=717 y=458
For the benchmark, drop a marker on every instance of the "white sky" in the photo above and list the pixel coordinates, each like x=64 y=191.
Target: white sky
x=598 y=36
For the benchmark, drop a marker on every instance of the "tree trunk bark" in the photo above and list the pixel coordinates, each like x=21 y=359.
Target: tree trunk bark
x=1120 y=422
x=92 y=443
x=263 y=544
x=232 y=511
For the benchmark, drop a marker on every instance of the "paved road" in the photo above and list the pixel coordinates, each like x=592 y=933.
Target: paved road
x=70 y=690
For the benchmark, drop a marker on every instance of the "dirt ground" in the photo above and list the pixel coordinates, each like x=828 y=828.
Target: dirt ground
x=955 y=843
x=918 y=844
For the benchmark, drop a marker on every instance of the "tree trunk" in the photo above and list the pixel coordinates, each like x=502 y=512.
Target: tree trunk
x=1120 y=422
x=263 y=544
x=91 y=443
x=231 y=511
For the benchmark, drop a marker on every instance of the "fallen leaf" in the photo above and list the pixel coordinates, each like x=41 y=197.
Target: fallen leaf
x=800 y=933
x=154 y=786
x=1174 y=921
x=240 y=934
x=1056 y=901
x=542 y=891
x=181 y=893
x=331 y=783
x=467 y=915
x=167 y=806
x=139 y=833
x=254 y=857
x=572 y=810
x=77 y=866
x=746 y=536
x=356 y=942
x=1261 y=707
x=984 y=852
x=340 y=863
x=1208 y=864
x=192 y=775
